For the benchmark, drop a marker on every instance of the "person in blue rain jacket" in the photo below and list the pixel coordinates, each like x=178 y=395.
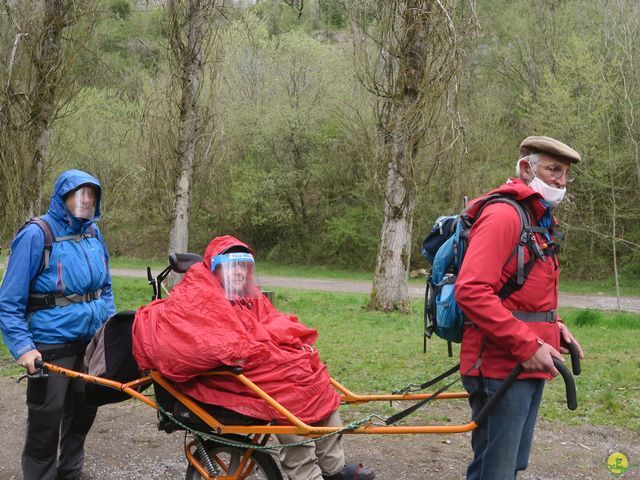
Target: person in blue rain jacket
x=52 y=300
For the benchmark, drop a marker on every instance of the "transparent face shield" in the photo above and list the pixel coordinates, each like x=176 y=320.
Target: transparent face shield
x=236 y=274
x=81 y=203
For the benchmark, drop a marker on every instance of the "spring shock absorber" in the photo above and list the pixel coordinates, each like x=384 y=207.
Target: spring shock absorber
x=204 y=457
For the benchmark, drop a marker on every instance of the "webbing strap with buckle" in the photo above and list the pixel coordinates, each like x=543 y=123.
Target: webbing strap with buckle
x=549 y=316
x=40 y=301
x=54 y=352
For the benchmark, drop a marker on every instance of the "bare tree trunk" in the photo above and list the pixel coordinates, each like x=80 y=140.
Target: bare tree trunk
x=613 y=242
x=390 y=285
x=43 y=96
x=418 y=53
x=40 y=79
x=190 y=57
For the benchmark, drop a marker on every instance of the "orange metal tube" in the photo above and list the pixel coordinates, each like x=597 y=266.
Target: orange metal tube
x=125 y=387
x=298 y=427
x=369 y=429
x=350 y=397
x=188 y=402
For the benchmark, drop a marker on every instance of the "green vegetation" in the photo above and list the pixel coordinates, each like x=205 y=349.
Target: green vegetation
x=629 y=286
x=375 y=352
x=156 y=264
x=289 y=156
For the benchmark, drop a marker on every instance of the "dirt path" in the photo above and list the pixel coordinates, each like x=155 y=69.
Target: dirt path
x=125 y=444
x=596 y=302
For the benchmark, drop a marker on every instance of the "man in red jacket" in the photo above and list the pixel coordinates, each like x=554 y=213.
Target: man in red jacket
x=524 y=328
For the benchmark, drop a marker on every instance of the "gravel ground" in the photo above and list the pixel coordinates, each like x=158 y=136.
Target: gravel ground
x=596 y=302
x=125 y=444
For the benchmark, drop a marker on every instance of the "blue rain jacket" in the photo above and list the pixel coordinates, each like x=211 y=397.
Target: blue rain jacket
x=78 y=267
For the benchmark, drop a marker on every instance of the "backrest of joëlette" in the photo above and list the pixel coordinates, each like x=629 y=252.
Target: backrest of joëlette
x=109 y=355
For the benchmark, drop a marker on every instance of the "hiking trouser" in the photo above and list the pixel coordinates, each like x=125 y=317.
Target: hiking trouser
x=311 y=460
x=502 y=443
x=57 y=414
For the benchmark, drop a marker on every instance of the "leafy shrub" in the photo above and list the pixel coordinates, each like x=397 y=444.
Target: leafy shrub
x=587 y=317
x=121 y=9
x=625 y=320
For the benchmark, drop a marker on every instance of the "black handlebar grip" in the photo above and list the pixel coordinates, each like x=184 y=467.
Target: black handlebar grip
x=569 y=384
x=495 y=398
x=38 y=363
x=575 y=358
x=570 y=388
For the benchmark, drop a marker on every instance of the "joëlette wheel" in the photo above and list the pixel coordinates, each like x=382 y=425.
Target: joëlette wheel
x=263 y=466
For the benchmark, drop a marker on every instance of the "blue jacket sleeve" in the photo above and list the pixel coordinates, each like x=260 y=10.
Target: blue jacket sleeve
x=24 y=263
x=107 y=292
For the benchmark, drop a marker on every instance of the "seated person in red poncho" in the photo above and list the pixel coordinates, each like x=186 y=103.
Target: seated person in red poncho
x=218 y=316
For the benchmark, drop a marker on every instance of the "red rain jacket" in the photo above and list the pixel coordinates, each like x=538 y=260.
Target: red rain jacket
x=196 y=329
x=486 y=267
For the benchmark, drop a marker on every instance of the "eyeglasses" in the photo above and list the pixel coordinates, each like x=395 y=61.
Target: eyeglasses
x=558 y=171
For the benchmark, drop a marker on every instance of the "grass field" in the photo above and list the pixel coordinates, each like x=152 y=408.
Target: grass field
x=376 y=352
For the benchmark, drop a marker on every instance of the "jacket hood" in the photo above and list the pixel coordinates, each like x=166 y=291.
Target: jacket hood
x=68 y=181
x=521 y=192
x=221 y=244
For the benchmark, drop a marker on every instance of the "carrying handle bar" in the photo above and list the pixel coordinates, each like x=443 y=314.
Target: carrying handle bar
x=570 y=389
x=575 y=358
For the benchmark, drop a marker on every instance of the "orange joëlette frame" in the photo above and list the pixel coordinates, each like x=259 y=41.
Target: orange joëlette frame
x=297 y=426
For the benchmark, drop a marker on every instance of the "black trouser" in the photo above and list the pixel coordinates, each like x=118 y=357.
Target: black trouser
x=58 y=415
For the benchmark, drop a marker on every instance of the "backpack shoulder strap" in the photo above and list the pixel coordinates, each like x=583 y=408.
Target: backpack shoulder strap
x=525 y=240
x=49 y=238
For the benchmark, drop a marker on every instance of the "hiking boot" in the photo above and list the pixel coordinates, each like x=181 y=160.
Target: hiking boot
x=353 y=471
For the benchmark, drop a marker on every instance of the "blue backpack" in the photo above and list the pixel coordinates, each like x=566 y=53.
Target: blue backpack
x=445 y=247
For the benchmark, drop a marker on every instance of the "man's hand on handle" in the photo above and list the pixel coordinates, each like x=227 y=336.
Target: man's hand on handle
x=566 y=337
x=27 y=360
x=542 y=360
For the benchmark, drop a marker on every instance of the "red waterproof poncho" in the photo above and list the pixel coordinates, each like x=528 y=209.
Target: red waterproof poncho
x=196 y=329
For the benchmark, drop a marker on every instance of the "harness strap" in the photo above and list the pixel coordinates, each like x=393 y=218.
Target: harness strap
x=549 y=317
x=520 y=268
x=512 y=285
x=40 y=301
x=53 y=352
x=76 y=238
x=49 y=238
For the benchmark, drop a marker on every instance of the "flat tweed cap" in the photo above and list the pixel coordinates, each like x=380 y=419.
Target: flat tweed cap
x=548 y=145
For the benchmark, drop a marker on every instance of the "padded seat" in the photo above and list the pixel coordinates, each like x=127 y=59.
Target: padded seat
x=185 y=416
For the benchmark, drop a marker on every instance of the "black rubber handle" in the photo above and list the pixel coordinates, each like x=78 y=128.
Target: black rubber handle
x=495 y=398
x=570 y=388
x=575 y=358
x=38 y=363
x=569 y=384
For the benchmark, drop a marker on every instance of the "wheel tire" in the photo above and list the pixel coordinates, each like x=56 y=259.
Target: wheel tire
x=265 y=467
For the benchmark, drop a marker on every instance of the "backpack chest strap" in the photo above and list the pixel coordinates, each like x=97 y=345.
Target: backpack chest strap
x=40 y=301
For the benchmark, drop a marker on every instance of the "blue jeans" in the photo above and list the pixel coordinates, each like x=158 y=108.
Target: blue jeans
x=502 y=443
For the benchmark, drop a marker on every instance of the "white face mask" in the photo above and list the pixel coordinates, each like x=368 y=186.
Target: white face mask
x=553 y=196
